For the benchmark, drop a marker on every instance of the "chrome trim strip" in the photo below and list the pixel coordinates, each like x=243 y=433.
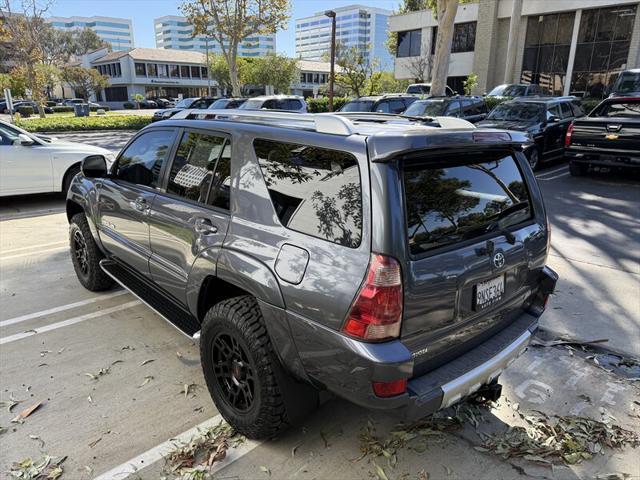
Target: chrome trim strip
x=471 y=381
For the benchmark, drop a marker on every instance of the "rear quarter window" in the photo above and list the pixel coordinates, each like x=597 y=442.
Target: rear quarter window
x=315 y=191
x=458 y=201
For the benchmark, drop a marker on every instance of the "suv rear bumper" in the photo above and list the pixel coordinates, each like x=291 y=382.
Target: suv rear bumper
x=603 y=158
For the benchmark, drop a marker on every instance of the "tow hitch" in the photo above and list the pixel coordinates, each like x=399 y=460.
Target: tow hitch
x=488 y=393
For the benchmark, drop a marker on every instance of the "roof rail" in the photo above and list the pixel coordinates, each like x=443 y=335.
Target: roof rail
x=320 y=122
x=444 y=122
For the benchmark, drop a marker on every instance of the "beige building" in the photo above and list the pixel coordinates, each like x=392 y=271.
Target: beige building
x=567 y=46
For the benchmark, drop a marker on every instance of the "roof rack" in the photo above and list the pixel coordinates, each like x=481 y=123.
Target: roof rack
x=444 y=122
x=320 y=122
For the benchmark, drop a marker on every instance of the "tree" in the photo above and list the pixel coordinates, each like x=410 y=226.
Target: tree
x=273 y=69
x=470 y=83
x=355 y=69
x=219 y=71
x=229 y=22
x=137 y=97
x=385 y=82
x=420 y=67
x=86 y=40
x=85 y=81
x=15 y=83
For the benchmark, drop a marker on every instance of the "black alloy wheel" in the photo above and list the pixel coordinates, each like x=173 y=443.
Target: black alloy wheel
x=234 y=372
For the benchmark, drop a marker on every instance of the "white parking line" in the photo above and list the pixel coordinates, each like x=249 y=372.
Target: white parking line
x=554 y=177
x=70 y=321
x=38 y=252
x=21 y=249
x=158 y=452
x=551 y=172
x=61 y=308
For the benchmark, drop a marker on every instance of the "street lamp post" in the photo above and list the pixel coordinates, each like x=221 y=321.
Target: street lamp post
x=206 y=49
x=332 y=15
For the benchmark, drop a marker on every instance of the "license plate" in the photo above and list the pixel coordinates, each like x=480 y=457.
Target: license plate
x=489 y=292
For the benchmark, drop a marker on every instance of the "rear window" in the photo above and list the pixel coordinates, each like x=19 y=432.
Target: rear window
x=518 y=112
x=620 y=109
x=358 y=106
x=427 y=108
x=419 y=89
x=314 y=190
x=461 y=201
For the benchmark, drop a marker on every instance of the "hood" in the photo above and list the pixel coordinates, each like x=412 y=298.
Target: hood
x=162 y=111
x=508 y=125
x=63 y=146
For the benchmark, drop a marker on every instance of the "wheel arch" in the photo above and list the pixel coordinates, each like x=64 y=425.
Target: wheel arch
x=68 y=172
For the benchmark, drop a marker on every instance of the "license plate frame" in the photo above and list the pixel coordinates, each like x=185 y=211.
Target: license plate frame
x=489 y=292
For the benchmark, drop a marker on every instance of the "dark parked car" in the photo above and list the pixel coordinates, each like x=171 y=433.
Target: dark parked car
x=309 y=252
x=163 y=102
x=608 y=137
x=198 y=103
x=518 y=90
x=472 y=109
x=425 y=89
x=627 y=84
x=545 y=119
x=28 y=103
x=226 y=103
x=396 y=103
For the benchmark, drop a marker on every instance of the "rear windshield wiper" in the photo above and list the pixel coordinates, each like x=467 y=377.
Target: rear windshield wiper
x=497 y=224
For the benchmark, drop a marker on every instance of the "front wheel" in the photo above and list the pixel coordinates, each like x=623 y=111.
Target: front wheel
x=533 y=156
x=86 y=256
x=241 y=368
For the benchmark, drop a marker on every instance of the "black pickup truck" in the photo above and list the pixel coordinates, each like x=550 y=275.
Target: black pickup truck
x=609 y=137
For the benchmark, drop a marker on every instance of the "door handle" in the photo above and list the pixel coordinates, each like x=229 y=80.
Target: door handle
x=205 y=227
x=141 y=204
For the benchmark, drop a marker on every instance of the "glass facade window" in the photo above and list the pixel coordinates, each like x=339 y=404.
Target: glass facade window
x=464 y=38
x=174 y=71
x=546 y=52
x=162 y=70
x=602 y=51
x=152 y=69
x=184 y=71
x=195 y=72
x=409 y=43
x=141 y=70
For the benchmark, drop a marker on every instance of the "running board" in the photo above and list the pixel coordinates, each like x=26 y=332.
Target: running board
x=155 y=299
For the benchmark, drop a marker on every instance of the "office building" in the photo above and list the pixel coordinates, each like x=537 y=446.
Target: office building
x=575 y=47
x=117 y=32
x=174 y=32
x=356 y=26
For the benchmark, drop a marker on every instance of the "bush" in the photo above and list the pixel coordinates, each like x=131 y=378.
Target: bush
x=589 y=104
x=128 y=105
x=71 y=124
x=492 y=102
x=321 y=104
x=62 y=109
x=25 y=111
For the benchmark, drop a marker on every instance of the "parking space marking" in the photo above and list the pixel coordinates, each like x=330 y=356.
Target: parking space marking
x=21 y=249
x=552 y=172
x=30 y=254
x=158 y=452
x=554 y=177
x=61 y=308
x=70 y=321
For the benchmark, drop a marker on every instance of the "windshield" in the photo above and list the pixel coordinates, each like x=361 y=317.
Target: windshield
x=420 y=89
x=517 y=112
x=451 y=204
x=426 y=108
x=514 y=90
x=252 y=104
x=358 y=106
x=497 y=91
x=620 y=109
x=221 y=103
x=629 y=82
x=185 y=103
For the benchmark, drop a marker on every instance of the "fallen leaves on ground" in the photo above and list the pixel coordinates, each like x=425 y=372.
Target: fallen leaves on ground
x=147 y=379
x=149 y=360
x=101 y=373
x=569 y=439
x=47 y=467
x=26 y=412
x=195 y=458
x=188 y=388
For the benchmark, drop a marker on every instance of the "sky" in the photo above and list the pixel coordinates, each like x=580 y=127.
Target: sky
x=142 y=13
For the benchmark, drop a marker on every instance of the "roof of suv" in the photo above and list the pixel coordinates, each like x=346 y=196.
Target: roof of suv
x=545 y=100
x=374 y=98
x=275 y=97
x=387 y=135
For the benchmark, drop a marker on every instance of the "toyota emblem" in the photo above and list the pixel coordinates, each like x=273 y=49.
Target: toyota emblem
x=498 y=260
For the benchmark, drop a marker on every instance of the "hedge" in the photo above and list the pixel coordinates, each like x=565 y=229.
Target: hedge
x=69 y=108
x=25 y=111
x=127 y=106
x=321 y=104
x=70 y=124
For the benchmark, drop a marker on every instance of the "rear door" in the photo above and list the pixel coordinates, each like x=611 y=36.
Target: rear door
x=191 y=215
x=554 y=133
x=126 y=197
x=470 y=239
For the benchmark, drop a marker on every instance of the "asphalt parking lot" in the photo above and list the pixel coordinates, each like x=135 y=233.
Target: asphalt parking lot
x=116 y=383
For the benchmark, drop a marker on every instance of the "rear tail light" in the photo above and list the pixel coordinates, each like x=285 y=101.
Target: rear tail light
x=390 y=389
x=567 y=137
x=376 y=313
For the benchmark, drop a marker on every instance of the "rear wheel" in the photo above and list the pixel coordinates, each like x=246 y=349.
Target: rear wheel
x=577 y=169
x=241 y=368
x=86 y=256
x=533 y=156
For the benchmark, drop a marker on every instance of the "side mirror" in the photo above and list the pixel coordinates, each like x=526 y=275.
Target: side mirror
x=23 y=139
x=94 y=166
x=553 y=119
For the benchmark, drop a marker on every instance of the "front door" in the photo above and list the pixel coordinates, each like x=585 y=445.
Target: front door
x=191 y=215
x=126 y=197
x=23 y=168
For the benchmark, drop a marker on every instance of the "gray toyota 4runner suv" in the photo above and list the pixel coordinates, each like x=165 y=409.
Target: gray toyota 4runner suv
x=399 y=265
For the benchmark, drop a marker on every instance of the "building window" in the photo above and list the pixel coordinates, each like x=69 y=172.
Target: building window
x=162 y=70
x=204 y=72
x=546 y=52
x=464 y=38
x=195 y=72
x=141 y=71
x=152 y=69
x=116 y=94
x=409 y=43
x=174 y=71
x=602 y=51
x=184 y=71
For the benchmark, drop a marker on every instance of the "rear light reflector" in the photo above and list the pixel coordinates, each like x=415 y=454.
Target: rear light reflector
x=390 y=389
x=376 y=313
x=567 y=137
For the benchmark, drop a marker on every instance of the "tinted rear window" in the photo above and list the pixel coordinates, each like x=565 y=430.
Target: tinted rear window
x=428 y=108
x=620 y=109
x=314 y=190
x=451 y=204
x=358 y=106
x=518 y=112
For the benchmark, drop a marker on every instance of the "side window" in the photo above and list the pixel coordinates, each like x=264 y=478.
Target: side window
x=397 y=106
x=566 y=110
x=221 y=185
x=409 y=100
x=467 y=108
x=192 y=167
x=453 y=109
x=7 y=135
x=295 y=105
x=554 y=111
x=142 y=161
x=270 y=104
x=383 y=107
x=482 y=107
x=578 y=111
x=314 y=190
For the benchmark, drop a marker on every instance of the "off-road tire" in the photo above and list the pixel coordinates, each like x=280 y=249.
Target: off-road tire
x=68 y=178
x=533 y=157
x=240 y=318
x=89 y=273
x=577 y=170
